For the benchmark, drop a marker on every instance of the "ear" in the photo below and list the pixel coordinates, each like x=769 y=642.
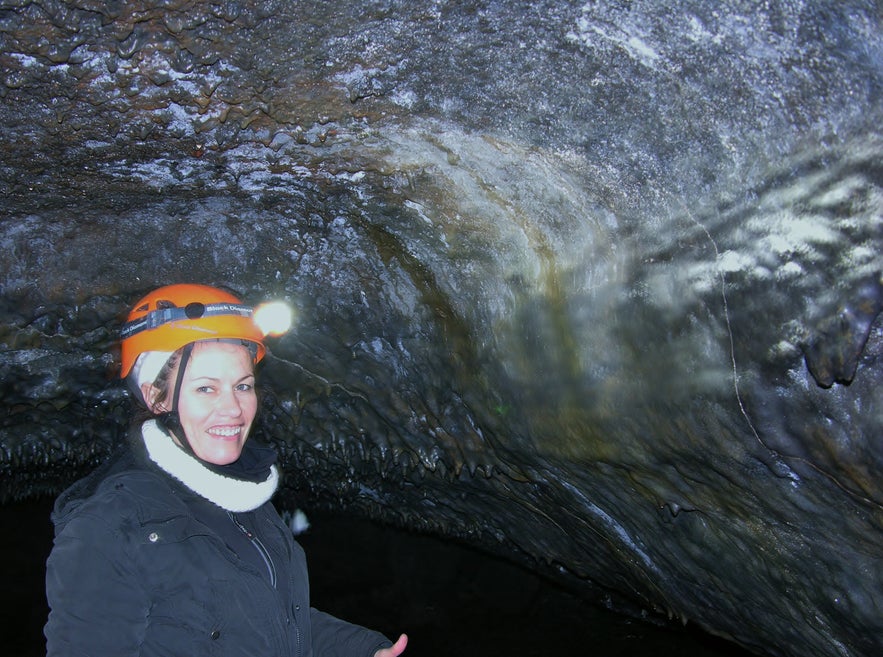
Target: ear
x=150 y=392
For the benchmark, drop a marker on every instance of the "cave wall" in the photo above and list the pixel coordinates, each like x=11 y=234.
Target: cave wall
x=596 y=285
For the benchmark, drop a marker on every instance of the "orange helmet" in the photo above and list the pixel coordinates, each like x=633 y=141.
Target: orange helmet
x=175 y=315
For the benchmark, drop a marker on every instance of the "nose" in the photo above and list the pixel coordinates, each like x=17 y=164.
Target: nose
x=229 y=403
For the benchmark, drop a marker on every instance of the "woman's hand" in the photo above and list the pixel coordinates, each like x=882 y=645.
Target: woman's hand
x=397 y=649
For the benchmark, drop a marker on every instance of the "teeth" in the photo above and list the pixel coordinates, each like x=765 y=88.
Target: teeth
x=225 y=432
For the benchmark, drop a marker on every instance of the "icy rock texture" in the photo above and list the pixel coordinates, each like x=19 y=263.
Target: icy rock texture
x=592 y=285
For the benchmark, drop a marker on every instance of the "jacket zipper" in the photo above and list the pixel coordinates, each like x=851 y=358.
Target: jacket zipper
x=271 y=569
x=265 y=555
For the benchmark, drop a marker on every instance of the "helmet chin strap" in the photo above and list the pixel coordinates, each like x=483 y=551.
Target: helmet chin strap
x=171 y=420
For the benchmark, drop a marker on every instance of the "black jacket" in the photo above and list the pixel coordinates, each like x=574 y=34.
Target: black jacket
x=142 y=565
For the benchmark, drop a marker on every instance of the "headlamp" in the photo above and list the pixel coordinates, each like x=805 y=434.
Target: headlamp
x=273 y=318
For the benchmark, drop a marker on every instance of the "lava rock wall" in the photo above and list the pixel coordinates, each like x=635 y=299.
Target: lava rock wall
x=595 y=285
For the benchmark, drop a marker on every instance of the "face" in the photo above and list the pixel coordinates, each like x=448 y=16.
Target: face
x=218 y=403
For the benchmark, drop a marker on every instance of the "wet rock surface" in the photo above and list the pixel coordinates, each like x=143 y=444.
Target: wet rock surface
x=595 y=286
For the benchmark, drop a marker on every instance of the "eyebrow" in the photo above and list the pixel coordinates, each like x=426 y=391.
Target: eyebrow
x=215 y=378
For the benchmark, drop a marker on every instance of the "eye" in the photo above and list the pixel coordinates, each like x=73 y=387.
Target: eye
x=205 y=389
x=244 y=387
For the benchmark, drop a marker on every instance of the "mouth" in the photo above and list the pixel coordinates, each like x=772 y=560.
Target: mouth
x=225 y=433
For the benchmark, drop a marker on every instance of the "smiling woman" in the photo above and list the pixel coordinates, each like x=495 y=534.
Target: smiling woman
x=172 y=546
x=216 y=400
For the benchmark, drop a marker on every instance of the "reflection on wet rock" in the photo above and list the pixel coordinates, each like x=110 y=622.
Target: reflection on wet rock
x=834 y=351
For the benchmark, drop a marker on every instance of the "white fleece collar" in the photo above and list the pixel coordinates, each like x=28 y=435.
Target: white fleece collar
x=228 y=493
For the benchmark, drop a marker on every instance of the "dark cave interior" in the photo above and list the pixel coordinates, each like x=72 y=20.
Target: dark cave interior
x=449 y=598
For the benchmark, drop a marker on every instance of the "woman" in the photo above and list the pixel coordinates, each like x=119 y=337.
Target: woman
x=172 y=547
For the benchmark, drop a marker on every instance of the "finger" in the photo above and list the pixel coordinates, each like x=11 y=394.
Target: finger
x=399 y=646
